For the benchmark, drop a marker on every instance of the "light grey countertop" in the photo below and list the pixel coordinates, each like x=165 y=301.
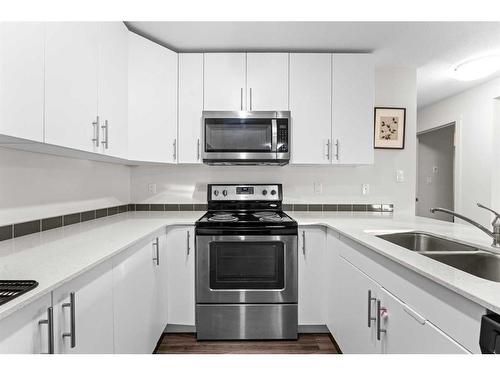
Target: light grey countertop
x=57 y=256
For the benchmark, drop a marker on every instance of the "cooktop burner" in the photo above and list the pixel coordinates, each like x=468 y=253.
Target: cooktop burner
x=223 y=217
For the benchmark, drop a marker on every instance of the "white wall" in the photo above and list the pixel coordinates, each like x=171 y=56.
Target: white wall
x=473 y=112
x=34 y=186
x=393 y=87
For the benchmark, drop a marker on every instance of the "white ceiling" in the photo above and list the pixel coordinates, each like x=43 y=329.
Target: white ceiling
x=432 y=47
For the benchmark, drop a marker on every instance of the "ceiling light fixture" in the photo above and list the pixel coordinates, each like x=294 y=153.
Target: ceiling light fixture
x=476 y=68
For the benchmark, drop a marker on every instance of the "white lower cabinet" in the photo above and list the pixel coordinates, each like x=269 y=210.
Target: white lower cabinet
x=180 y=275
x=27 y=331
x=406 y=331
x=312 y=242
x=139 y=307
x=83 y=313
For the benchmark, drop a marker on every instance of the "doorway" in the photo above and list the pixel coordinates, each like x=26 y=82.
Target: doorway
x=435 y=171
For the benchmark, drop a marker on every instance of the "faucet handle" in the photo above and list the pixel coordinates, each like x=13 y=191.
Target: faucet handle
x=497 y=215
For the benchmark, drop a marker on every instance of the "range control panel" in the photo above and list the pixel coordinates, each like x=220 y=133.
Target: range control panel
x=265 y=192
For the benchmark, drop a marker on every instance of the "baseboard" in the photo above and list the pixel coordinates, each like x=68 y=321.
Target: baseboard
x=180 y=328
x=313 y=328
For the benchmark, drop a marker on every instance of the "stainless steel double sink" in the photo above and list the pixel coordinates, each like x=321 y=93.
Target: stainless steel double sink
x=467 y=258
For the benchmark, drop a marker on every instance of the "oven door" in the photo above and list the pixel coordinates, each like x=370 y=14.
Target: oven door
x=246 y=269
x=242 y=139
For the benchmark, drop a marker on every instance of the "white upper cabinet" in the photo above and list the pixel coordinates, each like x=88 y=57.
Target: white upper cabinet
x=310 y=106
x=190 y=106
x=224 y=81
x=152 y=101
x=71 y=71
x=352 y=113
x=267 y=81
x=22 y=79
x=113 y=97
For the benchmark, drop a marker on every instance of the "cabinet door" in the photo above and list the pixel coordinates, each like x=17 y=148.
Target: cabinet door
x=353 y=334
x=136 y=299
x=22 y=333
x=310 y=106
x=224 y=81
x=180 y=263
x=71 y=60
x=353 y=101
x=113 y=87
x=407 y=332
x=267 y=81
x=152 y=101
x=92 y=304
x=311 y=282
x=22 y=79
x=190 y=106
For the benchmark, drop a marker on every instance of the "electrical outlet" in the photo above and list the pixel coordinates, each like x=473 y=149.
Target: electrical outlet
x=318 y=187
x=429 y=180
x=365 y=189
x=152 y=188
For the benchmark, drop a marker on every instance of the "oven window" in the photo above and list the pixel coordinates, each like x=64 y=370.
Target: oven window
x=238 y=135
x=247 y=265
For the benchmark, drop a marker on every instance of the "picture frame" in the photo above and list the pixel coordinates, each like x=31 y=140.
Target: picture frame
x=389 y=128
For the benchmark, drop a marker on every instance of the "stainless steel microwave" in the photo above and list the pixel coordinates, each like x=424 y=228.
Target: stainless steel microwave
x=246 y=138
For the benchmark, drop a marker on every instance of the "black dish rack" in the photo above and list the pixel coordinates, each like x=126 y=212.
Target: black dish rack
x=10 y=289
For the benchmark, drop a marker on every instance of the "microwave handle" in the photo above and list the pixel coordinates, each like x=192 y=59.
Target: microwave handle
x=274 y=133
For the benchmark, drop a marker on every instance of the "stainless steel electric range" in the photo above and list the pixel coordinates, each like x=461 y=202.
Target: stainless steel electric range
x=246 y=265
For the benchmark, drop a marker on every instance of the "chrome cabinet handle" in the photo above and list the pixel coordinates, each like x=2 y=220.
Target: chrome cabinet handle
x=370 y=318
x=337 y=148
x=304 y=242
x=156 y=245
x=198 y=150
x=250 y=98
x=241 y=98
x=50 y=329
x=188 y=245
x=72 y=310
x=380 y=311
x=105 y=134
x=328 y=150
x=175 y=149
x=95 y=125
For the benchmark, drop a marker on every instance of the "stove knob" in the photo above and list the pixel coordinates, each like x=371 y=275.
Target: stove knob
x=264 y=192
x=224 y=192
x=216 y=192
x=273 y=192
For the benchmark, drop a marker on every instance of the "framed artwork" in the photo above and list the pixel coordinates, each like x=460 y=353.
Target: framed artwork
x=390 y=127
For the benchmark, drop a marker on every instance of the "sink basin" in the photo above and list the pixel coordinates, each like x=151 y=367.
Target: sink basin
x=423 y=242
x=478 y=263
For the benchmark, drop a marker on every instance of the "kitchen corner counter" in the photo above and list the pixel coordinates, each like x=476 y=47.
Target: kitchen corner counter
x=57 y=256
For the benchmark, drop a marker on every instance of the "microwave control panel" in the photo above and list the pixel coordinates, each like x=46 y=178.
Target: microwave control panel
x=282 y=135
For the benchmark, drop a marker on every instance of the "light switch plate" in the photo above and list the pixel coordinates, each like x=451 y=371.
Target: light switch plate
x=318 y=187
x=152 y=188
x=400 y=175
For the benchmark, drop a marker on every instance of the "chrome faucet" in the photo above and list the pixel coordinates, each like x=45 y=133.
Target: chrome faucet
x=495 y=234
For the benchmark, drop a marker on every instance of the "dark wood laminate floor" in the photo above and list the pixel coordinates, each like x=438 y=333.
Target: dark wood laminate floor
x=185 y=343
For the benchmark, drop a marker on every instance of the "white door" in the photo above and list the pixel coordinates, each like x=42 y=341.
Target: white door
x=135 y=297
x=267 y=81
x=71 y=60
x=407 y=332
x=113 y=88
x=152 y=101
x=161 y=284
x=180 y=263
x=353 y=334
x=311 y=307
x=224 y=81
x=90 y=296
x=22 y=79
x=27 y=331
x=353 y=102
x=190 y=106
x=310 y=106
